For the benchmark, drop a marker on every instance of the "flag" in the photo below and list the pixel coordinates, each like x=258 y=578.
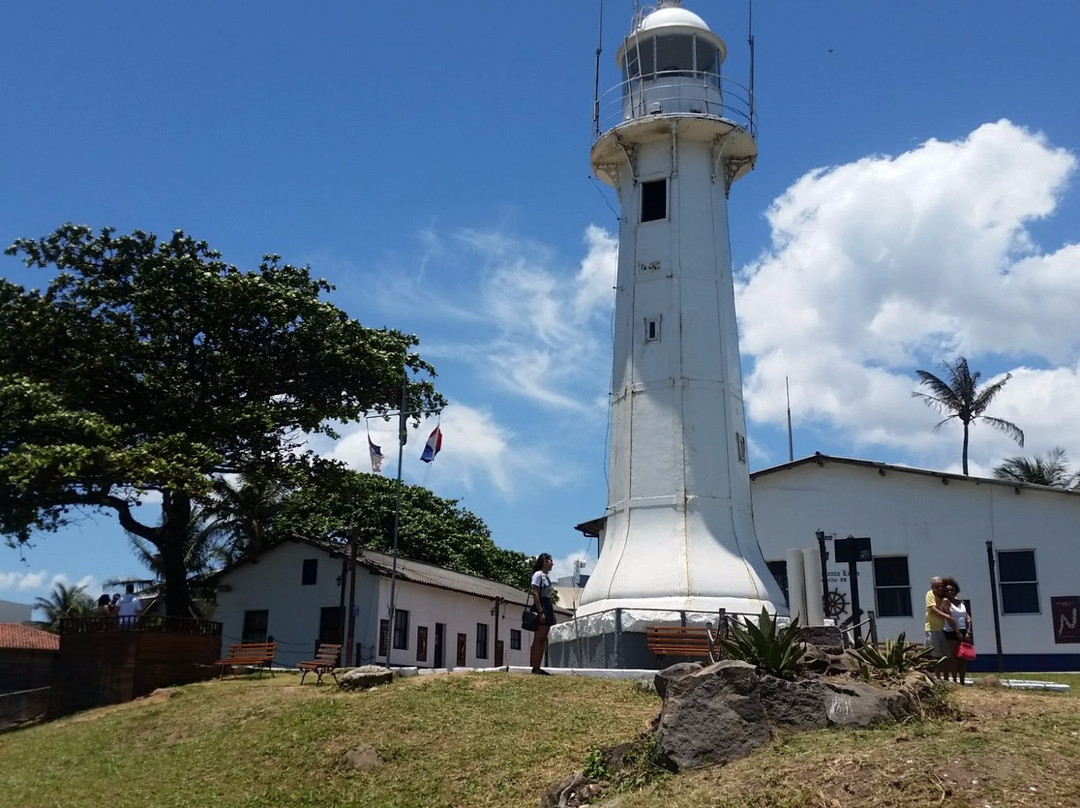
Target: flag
x=376 y=455
x=434 y=444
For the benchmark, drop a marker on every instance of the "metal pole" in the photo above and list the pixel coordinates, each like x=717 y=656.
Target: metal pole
x=790 y=445
x=824 y=572
x=352 y=597
x=397 y=517
x=856 y=612
x=994 y=602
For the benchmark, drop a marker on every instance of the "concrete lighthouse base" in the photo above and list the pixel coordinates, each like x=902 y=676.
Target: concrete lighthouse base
x=615 y=639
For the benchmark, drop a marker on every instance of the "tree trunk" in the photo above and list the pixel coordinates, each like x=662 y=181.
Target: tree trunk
x=171 y=542
x=965 y=448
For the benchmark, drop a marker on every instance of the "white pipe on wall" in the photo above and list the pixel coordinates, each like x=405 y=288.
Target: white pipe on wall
x=796 y=585
x=815 y=610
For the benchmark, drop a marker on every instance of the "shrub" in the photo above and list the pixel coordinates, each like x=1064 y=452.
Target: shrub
x=896 y=658
x=773 y=651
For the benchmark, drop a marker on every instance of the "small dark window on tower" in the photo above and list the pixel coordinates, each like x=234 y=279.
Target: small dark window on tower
x=652 y=329
x=309 y=572
x=653 y=200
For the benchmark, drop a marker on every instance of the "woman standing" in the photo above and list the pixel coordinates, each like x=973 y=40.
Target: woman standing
x=959 y=631
x=541 y=604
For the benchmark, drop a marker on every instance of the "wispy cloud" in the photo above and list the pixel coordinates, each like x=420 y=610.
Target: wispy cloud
x=21 y=581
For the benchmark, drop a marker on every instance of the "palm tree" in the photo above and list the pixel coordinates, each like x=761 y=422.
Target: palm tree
x=205 y=551
x=243 y=512
x=1050 y=469
x=962 y=399
x=65 y=601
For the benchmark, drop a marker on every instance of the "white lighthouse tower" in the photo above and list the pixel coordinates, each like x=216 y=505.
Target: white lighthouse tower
x=678 y=533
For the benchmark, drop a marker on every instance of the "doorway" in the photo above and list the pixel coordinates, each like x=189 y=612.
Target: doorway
x=440 y=635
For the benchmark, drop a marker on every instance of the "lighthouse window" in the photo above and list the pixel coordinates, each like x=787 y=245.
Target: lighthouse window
x=652 y=329
x=675 y=55
x=653 y=200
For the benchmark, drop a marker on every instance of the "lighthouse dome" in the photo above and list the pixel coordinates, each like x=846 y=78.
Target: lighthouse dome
x=670 y=15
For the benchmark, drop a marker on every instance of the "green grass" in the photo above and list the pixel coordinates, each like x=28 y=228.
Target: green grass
x=500 y=740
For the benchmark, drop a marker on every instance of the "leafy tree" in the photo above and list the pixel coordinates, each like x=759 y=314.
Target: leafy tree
x=153 y=366
x=961 y=397
x=65 y=601
x=206 y=549
x=1050 y=469
x=335 y=498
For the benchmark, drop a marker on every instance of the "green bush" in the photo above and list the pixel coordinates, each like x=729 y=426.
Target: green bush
x=777 y=652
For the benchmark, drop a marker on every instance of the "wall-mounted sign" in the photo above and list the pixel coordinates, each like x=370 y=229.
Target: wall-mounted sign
x=1066 y=625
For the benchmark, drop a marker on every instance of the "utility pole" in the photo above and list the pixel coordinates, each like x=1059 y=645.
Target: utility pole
x=352 y=597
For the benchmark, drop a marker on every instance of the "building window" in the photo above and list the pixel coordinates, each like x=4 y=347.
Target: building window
x=892 y=586
x=1018 y=581
x=401 y=629
x=653 y=200
x=779 y=572
x=515 y=639
x=481 y=641
x=652 y=329
x=310 y=572
x=255 y=623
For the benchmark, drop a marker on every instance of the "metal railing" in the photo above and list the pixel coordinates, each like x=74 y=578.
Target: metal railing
x=157 y=623
x=678 y=92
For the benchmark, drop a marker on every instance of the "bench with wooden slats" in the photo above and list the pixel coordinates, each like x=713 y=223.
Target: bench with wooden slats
x=683 y=641
x=250 y=655
x=324 y=662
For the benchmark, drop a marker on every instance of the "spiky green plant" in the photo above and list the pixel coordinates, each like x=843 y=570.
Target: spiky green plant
x=896 y=658
x=774 y=651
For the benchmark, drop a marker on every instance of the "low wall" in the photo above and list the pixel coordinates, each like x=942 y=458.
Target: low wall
x=23 y=707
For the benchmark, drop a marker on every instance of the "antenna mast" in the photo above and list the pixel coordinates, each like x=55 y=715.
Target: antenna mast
x=750 y=41
x=596 y=78
x=790 y=447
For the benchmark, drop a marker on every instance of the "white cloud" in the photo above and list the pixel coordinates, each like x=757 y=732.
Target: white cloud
x=563 y=566
x=21 y=581
x=889 y=264
x=477 y=450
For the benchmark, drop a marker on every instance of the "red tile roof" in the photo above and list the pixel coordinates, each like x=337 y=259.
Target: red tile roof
x=13 y=635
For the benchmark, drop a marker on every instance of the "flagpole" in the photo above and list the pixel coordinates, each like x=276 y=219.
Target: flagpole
x=402 y=434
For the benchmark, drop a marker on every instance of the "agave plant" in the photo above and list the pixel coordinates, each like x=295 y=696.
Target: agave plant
x=896 y=658
x=774 y=651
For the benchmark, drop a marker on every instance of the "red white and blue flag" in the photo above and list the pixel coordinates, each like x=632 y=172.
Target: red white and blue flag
x=434 y=445
x=376 y=456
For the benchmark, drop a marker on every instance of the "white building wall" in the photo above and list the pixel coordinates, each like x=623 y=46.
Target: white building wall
x=941 y=523
x=273 y=582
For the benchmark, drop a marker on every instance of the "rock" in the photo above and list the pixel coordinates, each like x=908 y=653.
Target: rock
x=860 y=704
x=665 y=677
x=574 y=791
x=713 y=715
x=798 y=705
x=364 y=677
x=827 y=638
x=363 y=758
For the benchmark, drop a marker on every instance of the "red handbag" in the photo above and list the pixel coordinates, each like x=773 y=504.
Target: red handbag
x=966 y=651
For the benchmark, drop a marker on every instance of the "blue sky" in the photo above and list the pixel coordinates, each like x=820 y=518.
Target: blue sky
x=914 y=200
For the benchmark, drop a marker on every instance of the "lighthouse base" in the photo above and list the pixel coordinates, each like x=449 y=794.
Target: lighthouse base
x=615 y=638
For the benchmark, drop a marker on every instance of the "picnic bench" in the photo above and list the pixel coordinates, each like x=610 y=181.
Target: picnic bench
x=249 y=654
x=683 y=641
x=326 y=659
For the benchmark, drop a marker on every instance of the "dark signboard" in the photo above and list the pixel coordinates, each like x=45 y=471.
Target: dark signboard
x=1066 y=625
x=853 y=549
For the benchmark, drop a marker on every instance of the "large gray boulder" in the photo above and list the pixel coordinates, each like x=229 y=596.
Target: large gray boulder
x=713 y=715
x=364 y=677
x=861 y=704
x=795 y=705
x=663 y=678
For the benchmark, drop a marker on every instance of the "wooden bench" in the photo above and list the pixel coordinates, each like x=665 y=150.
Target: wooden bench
x=324 y=662
x=683 y=641
x=250 y=654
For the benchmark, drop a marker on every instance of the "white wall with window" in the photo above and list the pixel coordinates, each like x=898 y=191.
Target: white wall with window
x=923 y=523
x=294 y=594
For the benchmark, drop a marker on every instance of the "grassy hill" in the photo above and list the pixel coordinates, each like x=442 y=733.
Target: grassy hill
x=498 y=740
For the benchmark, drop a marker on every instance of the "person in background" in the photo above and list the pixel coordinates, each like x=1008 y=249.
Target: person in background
x=104 y=607
x=127 y=608
x=958 y=632
x=936 y=618
x=541 y=597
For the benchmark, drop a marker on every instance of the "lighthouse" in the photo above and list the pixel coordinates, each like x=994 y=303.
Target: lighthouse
x=677 y=540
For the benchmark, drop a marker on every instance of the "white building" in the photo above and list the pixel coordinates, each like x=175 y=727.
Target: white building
x=297 y=593
x=926 y=523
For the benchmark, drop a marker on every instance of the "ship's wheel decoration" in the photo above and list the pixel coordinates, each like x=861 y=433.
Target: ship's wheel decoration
x=835 y=603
